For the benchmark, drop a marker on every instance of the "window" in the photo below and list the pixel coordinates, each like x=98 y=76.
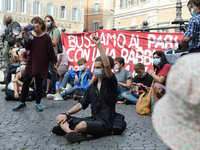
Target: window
x=51 y=9
x=75 y=14
x=144 y=1
x=134 y=2
x=8 y=5
x=123 y=3
x=95 y=26
x=96 y=8
x=37 y=8
x=63 y=12
x=23 y=6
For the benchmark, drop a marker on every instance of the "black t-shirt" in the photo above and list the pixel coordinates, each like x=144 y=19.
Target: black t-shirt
x=147 y=80
x=103 y=102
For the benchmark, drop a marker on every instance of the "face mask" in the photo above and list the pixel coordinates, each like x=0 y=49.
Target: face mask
x=142 y=75
x=156 y=61
x=116 y=67
x=48 y=24
x=23 y=67
x=16 y=49
x=8 y=21
x=82 y=67
x=192 y=12
x=38 y=30
x=98 y=73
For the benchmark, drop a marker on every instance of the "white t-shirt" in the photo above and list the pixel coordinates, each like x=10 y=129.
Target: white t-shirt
x=64 y=58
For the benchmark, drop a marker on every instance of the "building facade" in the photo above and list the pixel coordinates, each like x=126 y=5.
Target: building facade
x=98 y=12
x=67 y=14
x=130 y=14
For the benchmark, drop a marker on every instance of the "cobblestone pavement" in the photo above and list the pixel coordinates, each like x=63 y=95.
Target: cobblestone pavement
x=31 y=130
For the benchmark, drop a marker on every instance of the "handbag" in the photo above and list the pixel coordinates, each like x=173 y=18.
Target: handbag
x=143 y=105
x=157 y=92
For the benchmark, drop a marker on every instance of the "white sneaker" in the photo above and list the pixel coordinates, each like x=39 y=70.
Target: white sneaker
x=50 y=96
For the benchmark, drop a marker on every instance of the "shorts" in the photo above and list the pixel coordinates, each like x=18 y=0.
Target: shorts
x=94 y=127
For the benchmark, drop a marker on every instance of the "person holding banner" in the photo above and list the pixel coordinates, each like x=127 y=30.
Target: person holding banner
x=41 y=53
x=101 y=95
x=192 y=34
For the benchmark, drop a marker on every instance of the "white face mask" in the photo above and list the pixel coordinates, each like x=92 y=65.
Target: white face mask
x=23 y=67
x=82 y=67
x=116 y=67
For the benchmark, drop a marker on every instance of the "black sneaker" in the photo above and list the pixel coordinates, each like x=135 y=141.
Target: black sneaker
x=74 y=137
x=58 y=130
x=77 y=97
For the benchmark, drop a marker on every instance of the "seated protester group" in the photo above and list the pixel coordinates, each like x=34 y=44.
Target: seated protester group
x=14 y=87
x=13 y=65
x=101 y=95
x=124 y=77
x=141 y=80
x=73 y=81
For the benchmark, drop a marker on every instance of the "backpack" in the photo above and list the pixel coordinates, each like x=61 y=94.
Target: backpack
x=59 y=44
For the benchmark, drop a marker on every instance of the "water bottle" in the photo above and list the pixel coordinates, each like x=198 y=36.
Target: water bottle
x=58 y=87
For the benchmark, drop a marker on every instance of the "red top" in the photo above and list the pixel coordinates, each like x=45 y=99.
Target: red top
x=164 y=71
x=41 y=54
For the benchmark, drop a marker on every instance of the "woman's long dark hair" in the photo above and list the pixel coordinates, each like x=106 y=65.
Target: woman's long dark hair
x=163 y=60
x=53 y=26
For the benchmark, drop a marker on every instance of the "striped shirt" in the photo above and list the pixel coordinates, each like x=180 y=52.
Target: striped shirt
x=193 y=31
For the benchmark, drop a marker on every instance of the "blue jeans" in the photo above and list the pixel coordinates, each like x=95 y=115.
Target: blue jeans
x=194 y=50
x=120 y=91
x=132 y=97
x=71 y=91
x=53 y=78
x=67 y=78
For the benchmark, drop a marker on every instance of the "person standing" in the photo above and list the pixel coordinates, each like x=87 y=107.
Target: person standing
x=7 y=21
x=192 y=34
x=41 y=53
x=54 y=34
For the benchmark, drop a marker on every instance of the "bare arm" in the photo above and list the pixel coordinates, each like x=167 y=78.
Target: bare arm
x=104 y=57
x=158 y=79
x=75 y=109
x=55 y=41
x=128 y=83
x=59 y=60
x=185 y=41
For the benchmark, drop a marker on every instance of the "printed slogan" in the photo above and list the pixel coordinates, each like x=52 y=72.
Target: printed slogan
x=133 y=46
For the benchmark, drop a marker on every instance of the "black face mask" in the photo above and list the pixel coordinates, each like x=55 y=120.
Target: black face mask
x=8 y=21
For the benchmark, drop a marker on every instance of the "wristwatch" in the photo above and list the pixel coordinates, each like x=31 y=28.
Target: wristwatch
x=66 y=113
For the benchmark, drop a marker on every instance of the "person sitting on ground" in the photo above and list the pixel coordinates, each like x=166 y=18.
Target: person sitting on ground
x=161 y=67
x=141 y=79
x=101 y=95
x=14 y=87
x=124 y=77
x=11 y=69
x=77 y=80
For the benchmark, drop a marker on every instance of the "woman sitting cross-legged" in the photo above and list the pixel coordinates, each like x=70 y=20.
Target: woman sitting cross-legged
x=14 y=87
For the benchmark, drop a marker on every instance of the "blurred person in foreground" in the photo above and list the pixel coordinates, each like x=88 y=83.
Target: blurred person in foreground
x=41 y=53
x=176 y=116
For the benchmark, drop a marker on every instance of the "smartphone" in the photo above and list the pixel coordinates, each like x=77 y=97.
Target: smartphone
x=143 y=88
